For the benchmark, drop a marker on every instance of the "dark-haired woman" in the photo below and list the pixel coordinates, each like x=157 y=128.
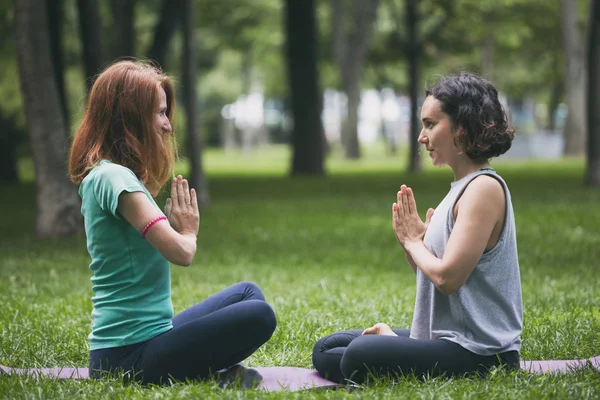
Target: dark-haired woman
x=468 y=308
x=122 y=155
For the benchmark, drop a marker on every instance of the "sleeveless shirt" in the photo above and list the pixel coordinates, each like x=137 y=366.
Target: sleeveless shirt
x=485 y=315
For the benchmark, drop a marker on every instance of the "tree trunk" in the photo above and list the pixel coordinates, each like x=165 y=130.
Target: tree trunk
x=350 y=128
x=90 y=32
x=55 y=21
x=194 y=144
x=352 y=34
x=170 y=14
x=306 y=98
x=58 y=205
x=9 y=138
x=575 y=79
x=553 y=102
x=245 y=132
x=413 y=49
x=123 y=28
x=593 y=95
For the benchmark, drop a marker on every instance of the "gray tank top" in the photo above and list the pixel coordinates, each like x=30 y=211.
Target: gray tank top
x=485 y=315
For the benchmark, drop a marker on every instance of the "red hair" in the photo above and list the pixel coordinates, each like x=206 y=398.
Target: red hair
x=118 y=125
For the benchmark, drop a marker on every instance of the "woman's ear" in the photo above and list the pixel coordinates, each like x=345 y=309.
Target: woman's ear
x=458 y=134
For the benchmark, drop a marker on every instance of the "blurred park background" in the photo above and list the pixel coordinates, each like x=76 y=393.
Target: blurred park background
x=318 y=79
x=297 y=123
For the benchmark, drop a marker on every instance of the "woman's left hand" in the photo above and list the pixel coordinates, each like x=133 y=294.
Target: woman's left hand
x=379 y=329
x=405 y=218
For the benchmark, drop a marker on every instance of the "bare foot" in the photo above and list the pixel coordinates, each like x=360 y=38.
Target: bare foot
x=239 y=374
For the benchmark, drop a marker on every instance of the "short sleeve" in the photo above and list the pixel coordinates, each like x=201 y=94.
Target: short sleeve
x=110 y=180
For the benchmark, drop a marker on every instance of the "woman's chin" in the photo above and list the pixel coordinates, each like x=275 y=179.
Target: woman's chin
x=437 y=163
x=433 y=159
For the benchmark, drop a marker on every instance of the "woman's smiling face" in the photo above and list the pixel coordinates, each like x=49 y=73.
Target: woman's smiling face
x=161 y=121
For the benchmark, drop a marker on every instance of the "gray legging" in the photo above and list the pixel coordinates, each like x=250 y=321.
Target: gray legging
x=347 y=355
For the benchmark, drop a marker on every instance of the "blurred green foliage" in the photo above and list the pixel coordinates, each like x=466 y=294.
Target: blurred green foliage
x=241 y=46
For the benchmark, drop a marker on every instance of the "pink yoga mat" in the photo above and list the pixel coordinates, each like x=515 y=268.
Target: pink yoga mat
x=60 y=373
x=274 y=378
x=294 y=379
x=558 y=366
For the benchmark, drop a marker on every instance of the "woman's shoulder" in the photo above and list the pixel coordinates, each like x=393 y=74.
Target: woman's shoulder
x=485 y=186
x=486 y=190
x=107 y=169
x=109 y=176
x=487 y=182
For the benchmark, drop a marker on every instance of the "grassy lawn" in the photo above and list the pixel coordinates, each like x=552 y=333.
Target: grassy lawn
x=324 y=253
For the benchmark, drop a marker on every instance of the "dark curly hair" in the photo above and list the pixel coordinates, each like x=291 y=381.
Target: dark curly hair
x=472 y=103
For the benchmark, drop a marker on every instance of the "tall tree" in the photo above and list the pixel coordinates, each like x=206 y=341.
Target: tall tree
x=123 y=31
x=575 y=79
x=352 y=33
x=556 y=93
x=413 y=47
x=55 y=10
x=190 y=99
x=303 y=78
x=10 y=136
x=58 y=206
x=593 y=96
x=412 y=42
x=12 y=132
x=90 y=32
x=169 y=17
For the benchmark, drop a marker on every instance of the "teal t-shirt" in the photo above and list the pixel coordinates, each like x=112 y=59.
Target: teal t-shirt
x=131 y=279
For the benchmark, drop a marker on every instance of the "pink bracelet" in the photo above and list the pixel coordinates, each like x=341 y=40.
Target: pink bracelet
x=151 y=224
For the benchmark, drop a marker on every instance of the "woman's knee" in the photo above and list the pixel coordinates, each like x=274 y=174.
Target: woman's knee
x=264 y=317
x=327 y=344
x=251 y=291
x=318 y=349
x=356 y=360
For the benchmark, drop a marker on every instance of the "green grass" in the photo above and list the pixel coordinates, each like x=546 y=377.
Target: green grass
x=324 y=254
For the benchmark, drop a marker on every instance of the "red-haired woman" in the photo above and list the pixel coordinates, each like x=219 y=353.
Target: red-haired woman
x=122 y=155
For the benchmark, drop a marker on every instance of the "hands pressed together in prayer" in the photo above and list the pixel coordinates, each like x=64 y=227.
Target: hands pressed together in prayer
x=182 y=207
x=408 y=228
x=405 y=219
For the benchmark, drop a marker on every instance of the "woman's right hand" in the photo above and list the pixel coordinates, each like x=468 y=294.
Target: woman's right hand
x=182 y=207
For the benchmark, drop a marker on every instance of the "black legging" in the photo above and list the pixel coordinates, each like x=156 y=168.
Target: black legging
x=214 y=334
x=348 y=356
